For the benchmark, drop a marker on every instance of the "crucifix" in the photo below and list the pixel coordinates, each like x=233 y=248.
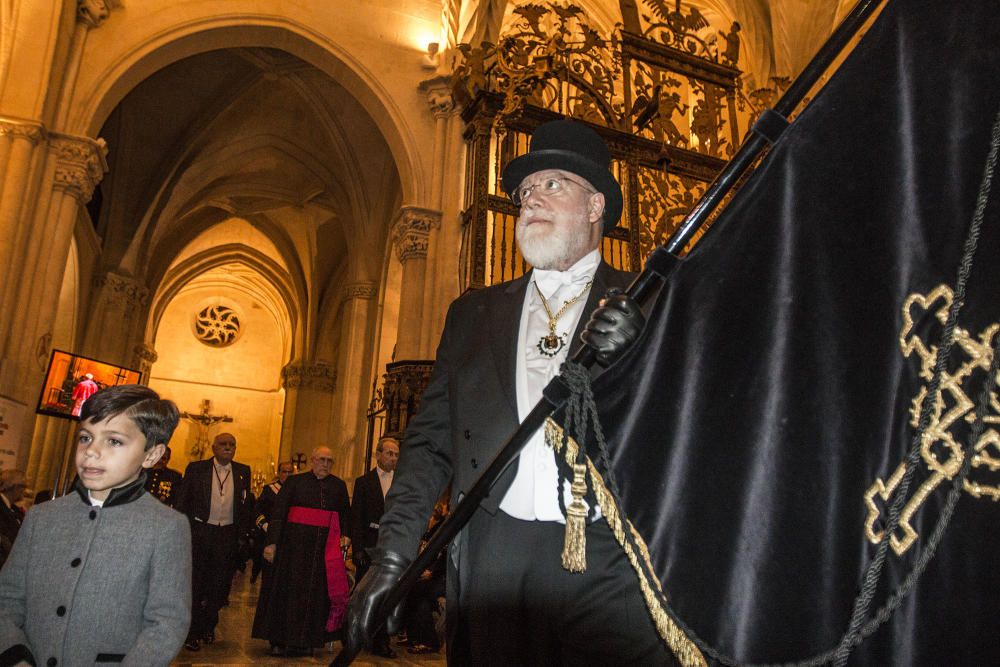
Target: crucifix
x=299 y=461
x=205 y=420
x=120 y=376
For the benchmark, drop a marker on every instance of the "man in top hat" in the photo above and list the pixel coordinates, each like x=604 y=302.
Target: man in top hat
x=510 y=602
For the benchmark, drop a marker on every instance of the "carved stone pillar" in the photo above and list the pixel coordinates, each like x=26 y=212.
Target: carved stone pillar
x=410 y=237
x=144 y=358
x=117 y=318
x=18 y=141
x=309 y=389
x=73 y=167
x=448 y=194
x=358 y=314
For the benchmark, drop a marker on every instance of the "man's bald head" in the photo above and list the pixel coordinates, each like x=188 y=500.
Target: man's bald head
x=321 y=461
x=224 y=448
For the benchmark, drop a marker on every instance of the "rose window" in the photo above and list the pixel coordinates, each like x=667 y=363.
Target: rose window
x=217 y=326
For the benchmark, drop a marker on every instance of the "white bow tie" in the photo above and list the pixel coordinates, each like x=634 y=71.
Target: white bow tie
x=549 y=282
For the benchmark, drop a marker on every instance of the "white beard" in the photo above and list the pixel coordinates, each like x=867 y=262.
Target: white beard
x=551 y=248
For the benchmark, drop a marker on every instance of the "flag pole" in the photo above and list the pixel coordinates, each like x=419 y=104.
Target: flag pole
x=658 y=266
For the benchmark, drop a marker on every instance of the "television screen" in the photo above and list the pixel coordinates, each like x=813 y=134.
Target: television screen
x=71 y=380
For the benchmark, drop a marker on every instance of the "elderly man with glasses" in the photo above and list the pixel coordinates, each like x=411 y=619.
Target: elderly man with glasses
x=510 y=602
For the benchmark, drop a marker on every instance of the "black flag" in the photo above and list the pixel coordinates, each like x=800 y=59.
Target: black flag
x=758 y=432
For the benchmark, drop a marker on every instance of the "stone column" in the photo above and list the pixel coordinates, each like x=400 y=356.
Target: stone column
x=79 y=165
x=18 y=141
x=117 y=319
x=73 y=168
x=410 y=237
x=309 y=389
x=448 y=196
x=355 y=358
x=144 y=357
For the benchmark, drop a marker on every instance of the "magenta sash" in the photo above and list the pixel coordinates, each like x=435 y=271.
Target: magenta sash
x=337 y=587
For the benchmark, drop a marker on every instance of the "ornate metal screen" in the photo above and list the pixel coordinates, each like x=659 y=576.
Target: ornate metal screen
x=663 y=90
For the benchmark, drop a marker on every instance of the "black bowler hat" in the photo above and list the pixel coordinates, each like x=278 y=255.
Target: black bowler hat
x=572 y=147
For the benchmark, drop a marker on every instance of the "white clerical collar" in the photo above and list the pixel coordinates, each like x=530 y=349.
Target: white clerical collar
x=94 y=501
x=549 y=280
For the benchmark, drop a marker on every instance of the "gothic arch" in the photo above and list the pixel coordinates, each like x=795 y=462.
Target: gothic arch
x=277 y=278
x=121 y=75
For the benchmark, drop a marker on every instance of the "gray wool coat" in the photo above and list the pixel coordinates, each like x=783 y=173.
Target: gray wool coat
x=87 y=585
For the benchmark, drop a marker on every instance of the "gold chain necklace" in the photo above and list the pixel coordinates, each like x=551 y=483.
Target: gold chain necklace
x=551 y=344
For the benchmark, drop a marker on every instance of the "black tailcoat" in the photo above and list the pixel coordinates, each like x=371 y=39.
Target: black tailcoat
x=196 y=494
x=367 y=506
x=467 y=413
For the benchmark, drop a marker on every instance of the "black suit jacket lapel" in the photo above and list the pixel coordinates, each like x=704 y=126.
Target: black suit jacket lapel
x=506 y=315
x=378 y=502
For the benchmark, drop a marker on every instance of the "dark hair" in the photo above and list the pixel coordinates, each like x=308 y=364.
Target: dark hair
x=156 y=418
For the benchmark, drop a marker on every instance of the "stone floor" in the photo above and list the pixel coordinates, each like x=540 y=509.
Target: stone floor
x=234 y=646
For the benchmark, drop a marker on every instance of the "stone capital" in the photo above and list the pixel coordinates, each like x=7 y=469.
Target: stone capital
x=144 y=352
x=24 y=129
x=81 y=163
x=122 y=290
x=92 y=13
x=309 y=376
x=411 y=232
x=439 y=96
x=360 y=290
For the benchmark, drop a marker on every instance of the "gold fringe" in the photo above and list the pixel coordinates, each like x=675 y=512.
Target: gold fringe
x=683 y=648
x=574 y=555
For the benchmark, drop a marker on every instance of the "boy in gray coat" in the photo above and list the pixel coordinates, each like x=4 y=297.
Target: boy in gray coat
x=102 y=575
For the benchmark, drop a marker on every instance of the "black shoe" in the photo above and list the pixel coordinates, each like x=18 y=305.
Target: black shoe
x=384 y=652
x=209 y=638
x=299 y=652
x=192 y=645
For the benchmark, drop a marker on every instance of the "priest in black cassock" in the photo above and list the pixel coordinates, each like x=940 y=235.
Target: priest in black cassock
x=304 y=600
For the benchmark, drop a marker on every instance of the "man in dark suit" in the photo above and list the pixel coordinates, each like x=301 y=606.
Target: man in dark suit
x=367 y=505
x=510 y=602
x=216 y=497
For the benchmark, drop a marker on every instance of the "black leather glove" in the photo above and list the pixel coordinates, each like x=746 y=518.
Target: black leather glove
x=369 y=594
x=613 y=326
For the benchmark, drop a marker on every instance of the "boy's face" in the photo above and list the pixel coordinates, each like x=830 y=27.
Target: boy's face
x=111 y=454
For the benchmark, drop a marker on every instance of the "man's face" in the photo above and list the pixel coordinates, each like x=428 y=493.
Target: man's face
x=110 y=454
x=555 y=230
x=387 y=454
x=284 y=470
x=321 y=461
x=224 y=448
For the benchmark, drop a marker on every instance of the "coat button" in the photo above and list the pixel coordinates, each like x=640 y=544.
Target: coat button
x=51 y=662
x=467 y=434
x=60 y=610
x=475 y=463
x=75 y=562
x=93 y=515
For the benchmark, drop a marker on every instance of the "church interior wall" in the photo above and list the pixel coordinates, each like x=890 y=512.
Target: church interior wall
x=242 y=379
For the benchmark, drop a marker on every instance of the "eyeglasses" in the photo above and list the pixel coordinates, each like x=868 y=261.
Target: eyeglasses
x=546 y=188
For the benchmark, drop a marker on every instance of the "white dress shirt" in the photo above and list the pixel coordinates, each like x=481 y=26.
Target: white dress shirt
x=532 y=496
x=384 y=480
x=221 y=513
